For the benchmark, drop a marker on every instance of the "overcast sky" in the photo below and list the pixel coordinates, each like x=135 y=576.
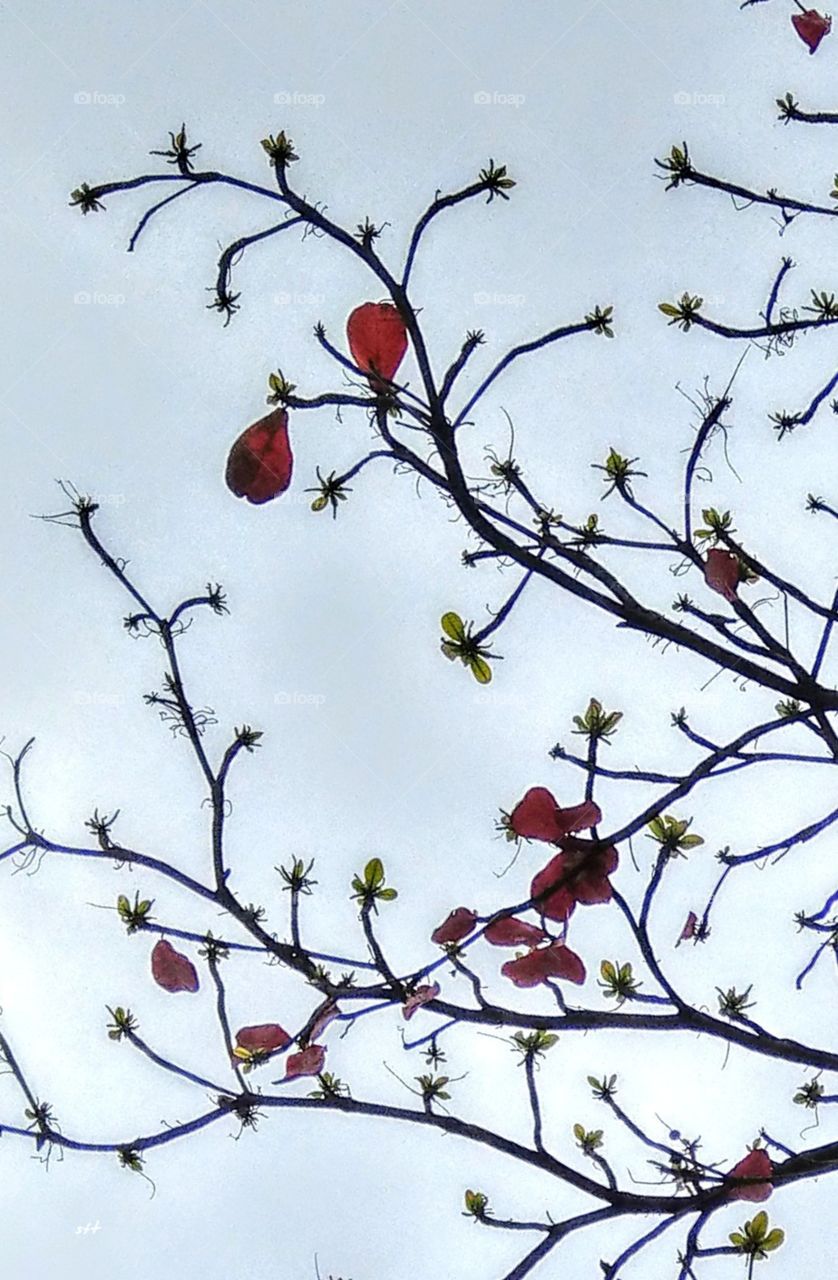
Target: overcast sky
x=115 y=376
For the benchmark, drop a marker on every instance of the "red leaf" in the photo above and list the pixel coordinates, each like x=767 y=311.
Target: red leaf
x=560 y=904
x=689 y=928
x=539 y=817
x=377 y=338
x=583 y=868
x=171 y=970
x=422 y=995
x=329 y=1013
x=811 y=26
x=510 y=932
x=555 y=961
x=721 y=572
x=455 y=926
x=590 y=865
x=308 y=1062
x=263 y=1038
x=756 y=1164
x=260 y=462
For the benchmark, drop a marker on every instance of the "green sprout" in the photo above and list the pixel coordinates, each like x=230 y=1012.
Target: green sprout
x=683 y=312
x=596 y=723
x=134 y=916
x=755 y=1240
x=124 y=1023
x=672 y=835
x=496 y=181
x=370 y=889
x=477 y=1206
x=618 y=981
x=461 y=643
x=677 y=166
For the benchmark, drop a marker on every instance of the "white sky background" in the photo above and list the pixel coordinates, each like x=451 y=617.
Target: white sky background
x=136 y=396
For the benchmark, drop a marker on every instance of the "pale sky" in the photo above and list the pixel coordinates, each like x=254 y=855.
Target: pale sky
x=114 y=376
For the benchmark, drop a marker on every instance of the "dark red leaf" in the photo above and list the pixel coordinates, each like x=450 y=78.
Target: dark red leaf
x=590 y=866
x=510 y=932
x=539 y=817
x=263 y=1038
x=555 y=961
x=260 y=462
x=560 y=904
x=581 y=872
x=721 y=572
x=455 y=926
x=172 y=970
x=308 y=1062
x=811 y=26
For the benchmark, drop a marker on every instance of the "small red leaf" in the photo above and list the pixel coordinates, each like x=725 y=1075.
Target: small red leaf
x=263 y=1038
x=510 y=932
x=172 y=970
x=756 y=1164
x=455 y=926
x=308 y=1062
x=422 y=995
x=555 y=961
x=811 y=26
x=327 y=1015
x=721 y=572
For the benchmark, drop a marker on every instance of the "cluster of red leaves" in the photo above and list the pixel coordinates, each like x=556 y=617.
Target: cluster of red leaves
x=577 y=874
x=580 y=870
x=260 y=463
x=174 y=971
x=555 y=960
